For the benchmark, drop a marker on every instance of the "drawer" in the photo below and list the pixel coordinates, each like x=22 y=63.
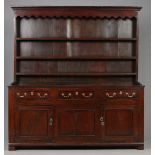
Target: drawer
x=125 y=93
x=67 y=93
x=76 y=94
x=33 y=93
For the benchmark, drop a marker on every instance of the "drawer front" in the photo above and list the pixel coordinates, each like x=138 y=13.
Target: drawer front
x=122 y=93
x=31 y=94
x=75 y=94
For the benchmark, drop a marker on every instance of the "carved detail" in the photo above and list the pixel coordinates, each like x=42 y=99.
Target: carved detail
x=78 y=17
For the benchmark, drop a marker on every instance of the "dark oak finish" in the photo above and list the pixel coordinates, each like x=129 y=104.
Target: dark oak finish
x=76 y=78
x=76 y=39
x=121 y=121
x=33 y=123
x=76 y=58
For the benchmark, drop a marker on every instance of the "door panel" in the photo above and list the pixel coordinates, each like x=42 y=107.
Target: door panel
x=34 y=123
x=85 y=122
x=120 y=123
x=77 y=123
x=66 y=123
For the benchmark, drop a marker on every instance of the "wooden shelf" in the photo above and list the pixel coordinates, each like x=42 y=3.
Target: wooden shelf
x=75 y=74
x=75 y=58
x=75 y=39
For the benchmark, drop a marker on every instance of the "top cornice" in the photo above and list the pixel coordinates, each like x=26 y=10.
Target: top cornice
x=86 y=7
x=77 y=11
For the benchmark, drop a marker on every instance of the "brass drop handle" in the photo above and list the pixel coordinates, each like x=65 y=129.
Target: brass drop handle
x=87 y=96
x=67 y=95
x=102 y=121
x=110 y=96
x=32 y=93
x=51 y=121
x=21 y=96
x=42 y=96
x=133 y=94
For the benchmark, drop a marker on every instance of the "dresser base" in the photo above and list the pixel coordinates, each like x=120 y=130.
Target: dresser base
x=46 y=111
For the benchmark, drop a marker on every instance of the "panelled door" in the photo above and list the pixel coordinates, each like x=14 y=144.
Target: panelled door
x=77 y=123
x=119 y=121
x=34 y=123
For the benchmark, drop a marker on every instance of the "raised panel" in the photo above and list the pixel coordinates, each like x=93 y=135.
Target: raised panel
x=119 y=122
x=85 y=123
x=66 y=123
x=76 y=123
x=32 y=123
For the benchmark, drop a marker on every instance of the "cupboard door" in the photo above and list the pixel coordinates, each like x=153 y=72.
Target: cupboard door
x=77 y=123
x=34 y=123
x=119 y=123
